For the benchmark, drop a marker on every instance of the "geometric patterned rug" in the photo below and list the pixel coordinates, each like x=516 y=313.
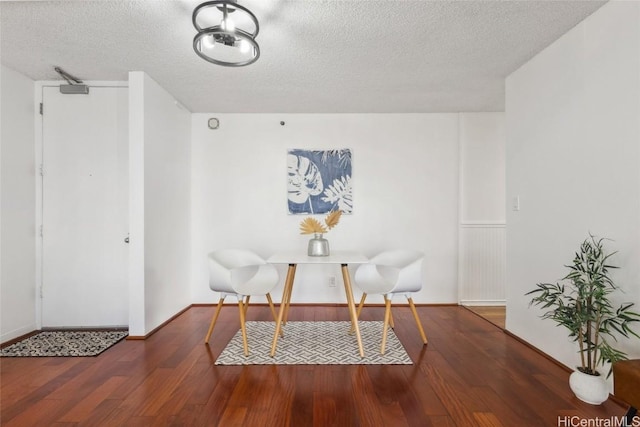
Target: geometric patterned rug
x=314 y=343
x=64 y=343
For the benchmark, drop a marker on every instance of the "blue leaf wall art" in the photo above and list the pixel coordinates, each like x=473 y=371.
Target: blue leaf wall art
x=319 y=181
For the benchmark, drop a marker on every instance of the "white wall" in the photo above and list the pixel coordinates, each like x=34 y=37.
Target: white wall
x=482 y=168
x=160 y=204
x=482 y=254
x=573 y=158
x=17 y=289
x=405 y=178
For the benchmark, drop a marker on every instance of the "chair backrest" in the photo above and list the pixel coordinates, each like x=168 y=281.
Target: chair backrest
x=234 y=258
x=409 y=264
x=222 y=261
x=390 y=272
x=240 y=271
x=398 y=258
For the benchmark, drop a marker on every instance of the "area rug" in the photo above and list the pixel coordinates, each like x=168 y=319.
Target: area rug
x=314 y=343
x=64 y=343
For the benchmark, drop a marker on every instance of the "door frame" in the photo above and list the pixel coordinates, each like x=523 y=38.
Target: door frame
x=38 y=120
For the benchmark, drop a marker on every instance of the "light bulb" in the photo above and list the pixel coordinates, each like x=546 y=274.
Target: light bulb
x=209 y=42
x=244 y=46
x=227 y=25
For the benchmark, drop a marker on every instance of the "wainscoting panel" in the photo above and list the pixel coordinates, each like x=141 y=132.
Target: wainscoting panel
x=482 y=264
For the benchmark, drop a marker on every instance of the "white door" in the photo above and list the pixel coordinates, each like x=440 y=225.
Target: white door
x=85 y=208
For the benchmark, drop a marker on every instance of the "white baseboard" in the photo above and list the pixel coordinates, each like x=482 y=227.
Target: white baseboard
x=8 y=336
x=479 y=303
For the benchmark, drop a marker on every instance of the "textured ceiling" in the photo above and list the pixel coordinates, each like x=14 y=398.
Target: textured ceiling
x=333 y=56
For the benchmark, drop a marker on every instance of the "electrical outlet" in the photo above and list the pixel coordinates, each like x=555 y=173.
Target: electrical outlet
x=515 y=205
x=332 y=281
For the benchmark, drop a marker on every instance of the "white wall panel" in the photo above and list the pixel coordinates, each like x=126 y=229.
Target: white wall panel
x=405 y=179
x=573 y=159
x=482 y=167
x=482 y=264
x=17 y=218
x=161 y=204
x=482 y=255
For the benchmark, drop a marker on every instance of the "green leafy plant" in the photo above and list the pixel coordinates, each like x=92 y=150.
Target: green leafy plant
x=582 y=305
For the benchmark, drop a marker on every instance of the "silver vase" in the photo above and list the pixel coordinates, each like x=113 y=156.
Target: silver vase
x=318 y=246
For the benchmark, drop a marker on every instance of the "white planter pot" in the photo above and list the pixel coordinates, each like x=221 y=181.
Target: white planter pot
x=589 y=388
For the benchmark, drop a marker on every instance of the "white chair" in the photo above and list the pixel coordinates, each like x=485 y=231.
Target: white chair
x=240 y=273
x=390 y=273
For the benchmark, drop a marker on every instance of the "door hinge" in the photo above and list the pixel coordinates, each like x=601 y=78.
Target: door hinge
x=41 y=169
x=41 y=109
x=41 y=230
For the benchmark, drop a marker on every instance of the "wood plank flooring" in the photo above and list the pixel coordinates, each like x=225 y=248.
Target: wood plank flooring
x=492 y=313
x=470 y=374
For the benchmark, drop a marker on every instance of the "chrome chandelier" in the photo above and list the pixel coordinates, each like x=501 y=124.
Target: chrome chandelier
x=226 y=33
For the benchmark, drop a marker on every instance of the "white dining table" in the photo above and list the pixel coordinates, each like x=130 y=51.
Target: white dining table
x=293 y=259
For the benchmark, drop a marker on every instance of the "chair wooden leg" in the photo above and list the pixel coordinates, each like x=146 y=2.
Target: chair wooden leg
x=415 y=316
x=387 y=314
x=273 y=311
x=364 y=297
x=213 y=320
x=243 y=327
x=246 y=305
x=393 y=326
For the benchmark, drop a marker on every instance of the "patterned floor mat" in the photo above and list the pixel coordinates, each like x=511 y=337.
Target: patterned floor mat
x=64 y=343
x=314 y=343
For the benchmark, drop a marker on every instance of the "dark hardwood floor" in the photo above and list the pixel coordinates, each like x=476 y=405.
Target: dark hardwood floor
x=492 y=313
x=470 y=374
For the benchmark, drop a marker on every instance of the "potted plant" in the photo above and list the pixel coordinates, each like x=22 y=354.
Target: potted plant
x=318 y=245
x=581 y=303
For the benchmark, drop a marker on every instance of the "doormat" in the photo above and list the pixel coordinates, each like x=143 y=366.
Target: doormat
x=314 y=343
x=64 y=344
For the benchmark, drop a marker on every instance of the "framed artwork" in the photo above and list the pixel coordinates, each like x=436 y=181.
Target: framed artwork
x=319 y=181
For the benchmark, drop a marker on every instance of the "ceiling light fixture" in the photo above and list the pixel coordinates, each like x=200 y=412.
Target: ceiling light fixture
x=226 y=33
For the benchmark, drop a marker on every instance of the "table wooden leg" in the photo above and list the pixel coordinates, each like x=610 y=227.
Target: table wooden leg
x=288 y=302
x=284 y=303
x=273 y=310
x=352 y=308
